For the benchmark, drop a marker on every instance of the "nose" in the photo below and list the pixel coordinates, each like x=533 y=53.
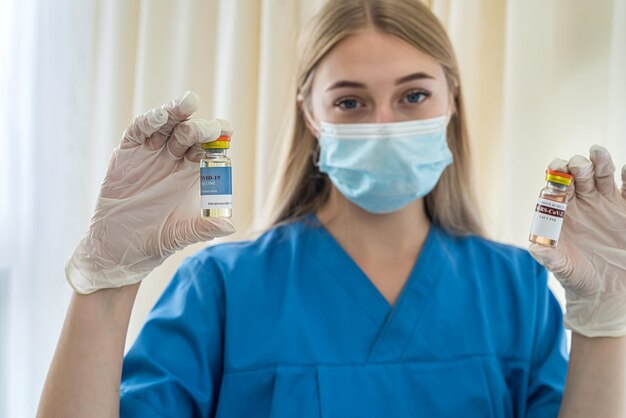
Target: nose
x=384 y=114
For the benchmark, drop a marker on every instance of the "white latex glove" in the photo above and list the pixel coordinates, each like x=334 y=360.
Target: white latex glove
x=149 y=203
x=590 y=258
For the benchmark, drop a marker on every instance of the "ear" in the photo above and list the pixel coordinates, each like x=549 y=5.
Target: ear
x=452 y=107
x=305 y=114
x=299 y=102
x=453 y=96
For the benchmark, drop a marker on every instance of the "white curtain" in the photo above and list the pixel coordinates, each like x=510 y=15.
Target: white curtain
x=45 y=148
x=542 y=78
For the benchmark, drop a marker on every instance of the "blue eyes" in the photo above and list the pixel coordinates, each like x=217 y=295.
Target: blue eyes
x=414 y=96
x=348 y=104
x=351 y=103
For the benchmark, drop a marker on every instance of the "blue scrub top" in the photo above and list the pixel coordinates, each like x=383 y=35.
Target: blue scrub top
x=287 y=325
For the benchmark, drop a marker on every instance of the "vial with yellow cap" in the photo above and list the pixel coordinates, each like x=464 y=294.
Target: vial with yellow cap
x=550 y=209
x=216 y=193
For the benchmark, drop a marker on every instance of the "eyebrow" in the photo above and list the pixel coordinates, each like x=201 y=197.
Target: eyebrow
x=414 y=76
x=358 y=85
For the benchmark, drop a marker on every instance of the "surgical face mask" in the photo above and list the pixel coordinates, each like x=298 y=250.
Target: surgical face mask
x=382 y=167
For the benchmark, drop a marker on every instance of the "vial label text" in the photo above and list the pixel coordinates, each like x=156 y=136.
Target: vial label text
x=216 y=187
x=548 y=219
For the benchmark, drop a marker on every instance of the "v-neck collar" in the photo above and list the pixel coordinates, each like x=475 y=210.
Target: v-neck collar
x=395 y=323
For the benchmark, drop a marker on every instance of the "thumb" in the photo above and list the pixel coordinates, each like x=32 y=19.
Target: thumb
x=561 y=263
x=552 y=259
x=181 y=233
x=208 y=228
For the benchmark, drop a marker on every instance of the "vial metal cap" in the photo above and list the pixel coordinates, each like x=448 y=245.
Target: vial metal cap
x=559 y=177
x=222 y=142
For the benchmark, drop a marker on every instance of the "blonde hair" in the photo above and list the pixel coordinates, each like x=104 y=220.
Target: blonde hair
x=300 y=188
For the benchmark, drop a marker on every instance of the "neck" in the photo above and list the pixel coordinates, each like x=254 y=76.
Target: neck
x=381 y=238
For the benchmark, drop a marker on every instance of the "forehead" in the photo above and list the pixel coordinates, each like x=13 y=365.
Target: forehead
x=370 y=55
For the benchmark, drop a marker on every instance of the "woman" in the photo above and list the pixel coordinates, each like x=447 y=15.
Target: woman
x=372 y=292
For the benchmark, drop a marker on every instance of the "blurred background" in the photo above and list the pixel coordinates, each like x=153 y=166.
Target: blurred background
x=542 y=79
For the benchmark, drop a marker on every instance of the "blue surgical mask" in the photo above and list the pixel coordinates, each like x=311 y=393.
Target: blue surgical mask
x=382 y=167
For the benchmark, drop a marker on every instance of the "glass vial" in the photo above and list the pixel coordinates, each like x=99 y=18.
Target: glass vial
x=216 y=195
x=550 y=210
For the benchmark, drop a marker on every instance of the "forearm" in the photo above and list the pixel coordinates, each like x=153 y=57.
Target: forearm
x=596 y=378
x=84 y=377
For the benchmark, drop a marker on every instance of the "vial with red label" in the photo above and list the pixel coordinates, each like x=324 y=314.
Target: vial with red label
x=550 y=210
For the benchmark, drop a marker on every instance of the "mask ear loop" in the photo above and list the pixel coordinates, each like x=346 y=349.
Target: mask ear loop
x=315 y=155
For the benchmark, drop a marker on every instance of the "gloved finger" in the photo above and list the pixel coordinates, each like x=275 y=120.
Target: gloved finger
x=624 y=181
x=604 y=170
x=213 y=227
x=561 y=261
x=553 y=259
x=560 y=164
x=142 y=127
x=182 y=233
x=226 y=125
x=194 y=154
x=582 y=170
x=177 y=110
x=188 y=133
x=548 y=257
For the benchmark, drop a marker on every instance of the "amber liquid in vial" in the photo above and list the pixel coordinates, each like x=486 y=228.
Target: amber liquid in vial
x=216 y=158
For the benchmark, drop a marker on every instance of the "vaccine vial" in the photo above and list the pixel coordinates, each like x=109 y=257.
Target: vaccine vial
x=216 y=194
x=550 y=210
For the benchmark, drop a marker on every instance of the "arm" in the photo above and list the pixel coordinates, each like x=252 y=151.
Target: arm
x=590 y=263
x=155 y=166
x=84 y=377
x=596 y=378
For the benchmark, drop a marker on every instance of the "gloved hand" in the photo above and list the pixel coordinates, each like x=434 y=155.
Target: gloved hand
x=590 y=258
x=149 y=203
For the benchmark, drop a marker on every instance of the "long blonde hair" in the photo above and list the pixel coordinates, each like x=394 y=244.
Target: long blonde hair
x=299 y=187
